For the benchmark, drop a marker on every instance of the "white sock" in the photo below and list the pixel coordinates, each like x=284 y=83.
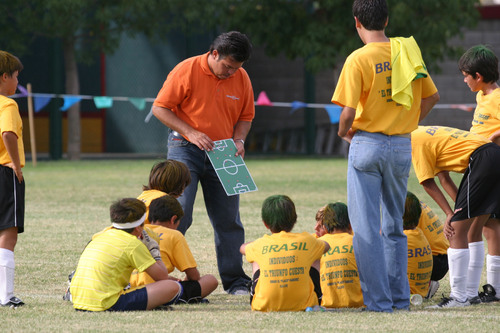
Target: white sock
x=493 y=272
x=458 y=263
x=6 y=275
x=476 y=263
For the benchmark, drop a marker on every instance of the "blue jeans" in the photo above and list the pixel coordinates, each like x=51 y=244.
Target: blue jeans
x=377 y=177
x=222 y=210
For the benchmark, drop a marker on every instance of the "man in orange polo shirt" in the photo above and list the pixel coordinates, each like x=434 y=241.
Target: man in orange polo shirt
x=204 y=99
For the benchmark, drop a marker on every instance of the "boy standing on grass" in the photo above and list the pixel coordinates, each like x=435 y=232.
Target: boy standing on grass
x=437 y=150
x=381 y=106
x=285 y=264
x=165 y=214
x=419 y=249
x=107 y=262
x=12 y=184
x=479 y=65
x=339 y=273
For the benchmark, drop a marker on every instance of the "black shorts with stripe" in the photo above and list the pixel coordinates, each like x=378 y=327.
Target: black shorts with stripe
x=11 y=200
x=479 y=190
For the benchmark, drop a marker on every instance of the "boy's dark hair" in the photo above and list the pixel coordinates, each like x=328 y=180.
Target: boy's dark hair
x=278 y=212
x=9 y=63
x=480 y=59
x=127 y=210
x=169 y=176
x=413 y=210
x=335 y=217
x=372 y=14
x=163 y=208
x=233 y=44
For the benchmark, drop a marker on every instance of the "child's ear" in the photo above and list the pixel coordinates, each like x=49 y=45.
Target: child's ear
x=173 y=219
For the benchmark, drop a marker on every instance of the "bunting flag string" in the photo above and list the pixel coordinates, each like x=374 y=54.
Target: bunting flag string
x=103 y=102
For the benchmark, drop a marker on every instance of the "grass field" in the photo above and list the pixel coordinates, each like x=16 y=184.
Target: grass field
x=66 y=202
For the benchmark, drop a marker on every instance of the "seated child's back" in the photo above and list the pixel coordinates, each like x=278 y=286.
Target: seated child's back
x=282 y=260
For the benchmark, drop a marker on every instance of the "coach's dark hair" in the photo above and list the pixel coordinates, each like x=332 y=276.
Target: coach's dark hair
x=127 y=210
x=163 y=208
x=413 y=210
x=278 y=213
x=169 y=176
x=480 y=59
x=233 y=44
x=9 y=63
x=372 y=14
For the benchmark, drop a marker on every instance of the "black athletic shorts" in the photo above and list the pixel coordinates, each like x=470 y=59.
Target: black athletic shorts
x=11 y=200
x=191 y=292
x=479 y=190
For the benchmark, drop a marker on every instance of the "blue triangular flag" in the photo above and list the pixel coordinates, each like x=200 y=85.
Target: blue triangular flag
x=69 y=101
x=334 y=112
x=22 y=90
x=41 y=102
x=297 y=105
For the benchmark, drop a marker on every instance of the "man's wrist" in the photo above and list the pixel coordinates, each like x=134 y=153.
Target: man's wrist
x=239 y=140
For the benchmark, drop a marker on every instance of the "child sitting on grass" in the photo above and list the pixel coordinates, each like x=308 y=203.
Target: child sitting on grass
x=107 y=262
x=165 y=214
x=166 y=177
x=339 y=273
x=419 y=250
x=282 y=262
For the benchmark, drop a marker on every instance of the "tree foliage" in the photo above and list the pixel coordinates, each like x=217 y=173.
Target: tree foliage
x=320 y=31
x=323 y=31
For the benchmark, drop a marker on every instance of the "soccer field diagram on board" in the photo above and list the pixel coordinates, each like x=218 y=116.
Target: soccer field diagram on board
x=231 y=170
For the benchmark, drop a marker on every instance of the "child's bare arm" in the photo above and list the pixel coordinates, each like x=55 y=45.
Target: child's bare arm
x=10 y=142
x=327 y=247
x=192 y=274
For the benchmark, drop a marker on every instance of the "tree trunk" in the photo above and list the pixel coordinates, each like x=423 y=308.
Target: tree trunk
x=72 y=88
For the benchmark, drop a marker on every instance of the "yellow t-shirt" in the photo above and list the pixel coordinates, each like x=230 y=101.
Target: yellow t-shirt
x=175 y=253
x=147 y=197
x=365 y=85
x=104 y=269
x=438 y=148
x=339 y=273
x=487 y=114
x=433 y=229
x=285 y=259
x=10 y=121
x=419 y=262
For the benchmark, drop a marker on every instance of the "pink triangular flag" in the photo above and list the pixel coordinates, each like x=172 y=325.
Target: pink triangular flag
x=263 y=99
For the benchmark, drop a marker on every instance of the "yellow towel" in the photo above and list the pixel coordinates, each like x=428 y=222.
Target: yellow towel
x=407 y=65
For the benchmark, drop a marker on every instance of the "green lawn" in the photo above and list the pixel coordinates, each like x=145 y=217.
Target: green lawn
x=66 y=202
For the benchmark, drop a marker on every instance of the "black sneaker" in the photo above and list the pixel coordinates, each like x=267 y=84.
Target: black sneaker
x=14 y=302
x=488 y=294
x=474 y=300
x=448 y=302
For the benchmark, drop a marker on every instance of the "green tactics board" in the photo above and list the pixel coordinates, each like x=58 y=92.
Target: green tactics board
x=231 y=170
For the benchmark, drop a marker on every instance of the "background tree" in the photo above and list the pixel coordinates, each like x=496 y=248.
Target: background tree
x=86 y=28
x=323 y=33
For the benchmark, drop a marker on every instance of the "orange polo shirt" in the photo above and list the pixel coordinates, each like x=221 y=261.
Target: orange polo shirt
x=205 y=102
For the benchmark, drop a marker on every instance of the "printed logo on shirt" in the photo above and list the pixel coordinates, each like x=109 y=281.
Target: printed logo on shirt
x=234 y=98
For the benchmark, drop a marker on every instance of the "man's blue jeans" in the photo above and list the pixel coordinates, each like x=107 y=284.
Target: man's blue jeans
x=377 y=178
x=222 y=210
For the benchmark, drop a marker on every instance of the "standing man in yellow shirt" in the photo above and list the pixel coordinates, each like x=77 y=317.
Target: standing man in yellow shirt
x=378 y=129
